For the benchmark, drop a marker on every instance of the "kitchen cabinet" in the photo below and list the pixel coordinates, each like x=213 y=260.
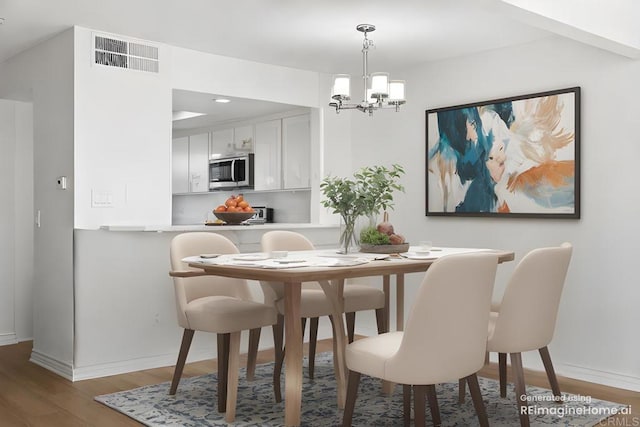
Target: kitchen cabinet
x=190 y=164
x=296 y=152
x=199 y=163
x=222 y=142
x=243 y=138
x=232 y=140
x=180 y=165
x=267 y=159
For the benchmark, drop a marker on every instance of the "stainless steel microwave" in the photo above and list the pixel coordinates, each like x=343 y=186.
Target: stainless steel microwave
x=231 y=172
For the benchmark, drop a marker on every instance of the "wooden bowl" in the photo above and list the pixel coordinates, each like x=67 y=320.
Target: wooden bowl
x=384 y=249
x=234 y=217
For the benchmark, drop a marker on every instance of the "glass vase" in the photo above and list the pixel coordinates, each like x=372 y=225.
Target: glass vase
x=348 y=235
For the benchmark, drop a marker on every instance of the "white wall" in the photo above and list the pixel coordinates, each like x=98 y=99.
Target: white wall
x=122 y=140
x=7 y=221
x=16 y=177
x=44 y=76
x=598 y=319
x=199 y=72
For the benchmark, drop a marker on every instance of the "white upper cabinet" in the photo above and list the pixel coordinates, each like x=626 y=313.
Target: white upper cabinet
x=199 y=163
x=190 y=164
x=267 y=146
x=221 y=142
x=296 y=151
x=180 y=165
x=243 y=138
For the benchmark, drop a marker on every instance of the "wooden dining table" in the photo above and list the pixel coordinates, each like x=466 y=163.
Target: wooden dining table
x=331 y=279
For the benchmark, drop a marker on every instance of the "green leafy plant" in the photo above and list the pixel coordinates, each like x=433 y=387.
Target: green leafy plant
x=372 y=236
x=369 y=192
x=376 y=185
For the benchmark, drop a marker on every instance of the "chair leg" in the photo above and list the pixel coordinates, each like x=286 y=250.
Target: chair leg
x=476 y=396
x=223 y=370
x=352 y=394
x=278 y=330
x=518 y=375
x=433 y=405
x=351 y=325
x=406 y=404
x=382 y=327
x=313 y=339
x=502 y=370
x=551 y=373
x=419 y=407
x=461 y=390
x=232 y=376
x=252 y=355
x=187 y=337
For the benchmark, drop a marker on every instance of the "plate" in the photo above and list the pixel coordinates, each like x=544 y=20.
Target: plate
x=413 y=255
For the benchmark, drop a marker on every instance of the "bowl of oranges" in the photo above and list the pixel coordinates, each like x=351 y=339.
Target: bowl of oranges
x=235 y=210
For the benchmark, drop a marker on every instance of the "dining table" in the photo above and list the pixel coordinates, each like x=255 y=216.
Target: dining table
x=330 y=269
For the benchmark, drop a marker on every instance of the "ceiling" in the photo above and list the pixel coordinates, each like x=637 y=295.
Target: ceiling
x=311 y=35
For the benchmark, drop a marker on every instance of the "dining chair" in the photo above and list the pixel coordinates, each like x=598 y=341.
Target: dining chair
x=217 y=305
x=444 y=339
x=314 y=303
x=525 y=319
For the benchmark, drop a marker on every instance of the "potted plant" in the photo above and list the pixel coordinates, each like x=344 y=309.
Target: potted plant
x=369 y=192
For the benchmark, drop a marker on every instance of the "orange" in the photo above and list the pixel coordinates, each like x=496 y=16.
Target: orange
x=221 y=208
x=231 y=202
x=243 y=204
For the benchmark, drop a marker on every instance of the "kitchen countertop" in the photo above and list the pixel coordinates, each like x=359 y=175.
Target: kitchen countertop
x=202 y=227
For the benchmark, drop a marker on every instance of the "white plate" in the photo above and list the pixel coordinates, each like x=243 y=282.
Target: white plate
x=413 y=255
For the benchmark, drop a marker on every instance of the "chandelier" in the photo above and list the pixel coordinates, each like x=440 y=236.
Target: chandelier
x=381 y=93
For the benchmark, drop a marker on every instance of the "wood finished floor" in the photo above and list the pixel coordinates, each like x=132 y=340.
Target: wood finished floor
x=33 y=396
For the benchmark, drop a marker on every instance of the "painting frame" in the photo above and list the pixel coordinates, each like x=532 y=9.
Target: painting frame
x=513 y=157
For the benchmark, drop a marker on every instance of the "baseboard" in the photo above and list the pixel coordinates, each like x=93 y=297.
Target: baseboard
x=126 y=366
x=8 y=339
x=626 y=382
x=567 y=370
x=65 y=370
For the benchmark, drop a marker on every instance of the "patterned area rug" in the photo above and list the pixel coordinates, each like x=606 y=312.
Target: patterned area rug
x=195 y=403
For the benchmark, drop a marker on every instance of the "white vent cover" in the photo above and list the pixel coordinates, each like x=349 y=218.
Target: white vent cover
x=112 y=52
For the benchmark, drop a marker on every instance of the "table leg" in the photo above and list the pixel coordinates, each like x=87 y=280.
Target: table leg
x=388 y=387
x=386 y=288
x=335 y=292
x=399 y=302
x=293 y=355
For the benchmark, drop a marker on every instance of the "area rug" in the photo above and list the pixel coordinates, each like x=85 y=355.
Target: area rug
x=194 y=405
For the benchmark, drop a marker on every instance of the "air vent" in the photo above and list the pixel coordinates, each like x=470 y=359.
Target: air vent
x=112 y=52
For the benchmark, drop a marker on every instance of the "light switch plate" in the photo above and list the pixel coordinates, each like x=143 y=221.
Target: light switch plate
x=101 y=199
x=61 y=182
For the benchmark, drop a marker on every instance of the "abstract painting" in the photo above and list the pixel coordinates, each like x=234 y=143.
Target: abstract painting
x=509 y=157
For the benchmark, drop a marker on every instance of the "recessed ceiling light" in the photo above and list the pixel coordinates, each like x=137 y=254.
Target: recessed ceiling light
x=222 y=100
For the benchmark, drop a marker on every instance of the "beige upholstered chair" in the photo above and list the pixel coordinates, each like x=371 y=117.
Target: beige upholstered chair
x=445 y=338
x=526 y=317
x=314 y=303
x=218 y=305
